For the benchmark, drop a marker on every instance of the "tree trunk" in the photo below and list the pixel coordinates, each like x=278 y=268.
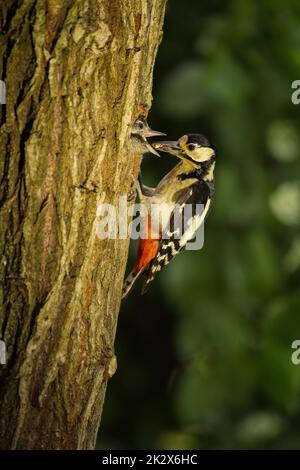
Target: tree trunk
x=77 y=75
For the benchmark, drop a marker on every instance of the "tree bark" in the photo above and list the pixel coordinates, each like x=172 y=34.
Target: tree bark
x=77 y=74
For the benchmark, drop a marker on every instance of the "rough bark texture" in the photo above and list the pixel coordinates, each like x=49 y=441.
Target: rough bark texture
x=77 y=73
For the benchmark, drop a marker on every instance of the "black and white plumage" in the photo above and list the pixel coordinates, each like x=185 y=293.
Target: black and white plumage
x=188 y=184
x=182 y=227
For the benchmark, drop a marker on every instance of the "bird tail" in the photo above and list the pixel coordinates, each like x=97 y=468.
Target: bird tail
x=128 y=283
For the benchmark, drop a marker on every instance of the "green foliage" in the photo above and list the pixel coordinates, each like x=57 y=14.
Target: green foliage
x=209 y=348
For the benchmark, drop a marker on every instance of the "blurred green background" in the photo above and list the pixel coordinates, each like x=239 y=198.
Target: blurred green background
x=204 y=358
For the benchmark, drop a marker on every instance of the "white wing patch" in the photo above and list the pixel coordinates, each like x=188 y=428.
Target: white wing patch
x=195 y=224
x=174 y=240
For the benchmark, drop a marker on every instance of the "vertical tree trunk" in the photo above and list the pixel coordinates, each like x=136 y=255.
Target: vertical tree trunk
x=77 y=73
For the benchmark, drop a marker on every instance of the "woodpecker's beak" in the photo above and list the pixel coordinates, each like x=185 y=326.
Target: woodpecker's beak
x=150 y=133
x=151 y=149
x=171 y=147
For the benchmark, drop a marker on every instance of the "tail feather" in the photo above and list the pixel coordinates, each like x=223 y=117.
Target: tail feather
x=128 y=283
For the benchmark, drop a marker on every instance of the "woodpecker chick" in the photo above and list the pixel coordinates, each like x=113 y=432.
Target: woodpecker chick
x=140 y=145
x=190 y=182
x=139 y=134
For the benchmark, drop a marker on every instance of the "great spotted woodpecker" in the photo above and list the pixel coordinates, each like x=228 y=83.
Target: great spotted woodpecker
x=139 y=143
x=190 y=182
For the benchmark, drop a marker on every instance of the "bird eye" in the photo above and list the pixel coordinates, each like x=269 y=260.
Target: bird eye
x=191 y=147
x=140 y=124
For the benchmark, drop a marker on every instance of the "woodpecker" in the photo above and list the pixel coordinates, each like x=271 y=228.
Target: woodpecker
x=139 y=143
x=191 y=181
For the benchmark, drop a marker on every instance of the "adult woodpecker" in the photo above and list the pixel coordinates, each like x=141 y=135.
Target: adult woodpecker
x=190 y=182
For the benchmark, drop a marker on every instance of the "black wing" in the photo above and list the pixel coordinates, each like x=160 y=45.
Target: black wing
x=173 y=241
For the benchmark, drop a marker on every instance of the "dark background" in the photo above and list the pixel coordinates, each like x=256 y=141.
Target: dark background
x=204 y=358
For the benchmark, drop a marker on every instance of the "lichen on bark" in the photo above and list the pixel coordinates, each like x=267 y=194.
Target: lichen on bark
x=77 y=74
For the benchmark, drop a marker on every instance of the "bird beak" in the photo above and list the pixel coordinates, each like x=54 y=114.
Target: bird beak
x=151 y=149
x=168 y=146
x=150 y=133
